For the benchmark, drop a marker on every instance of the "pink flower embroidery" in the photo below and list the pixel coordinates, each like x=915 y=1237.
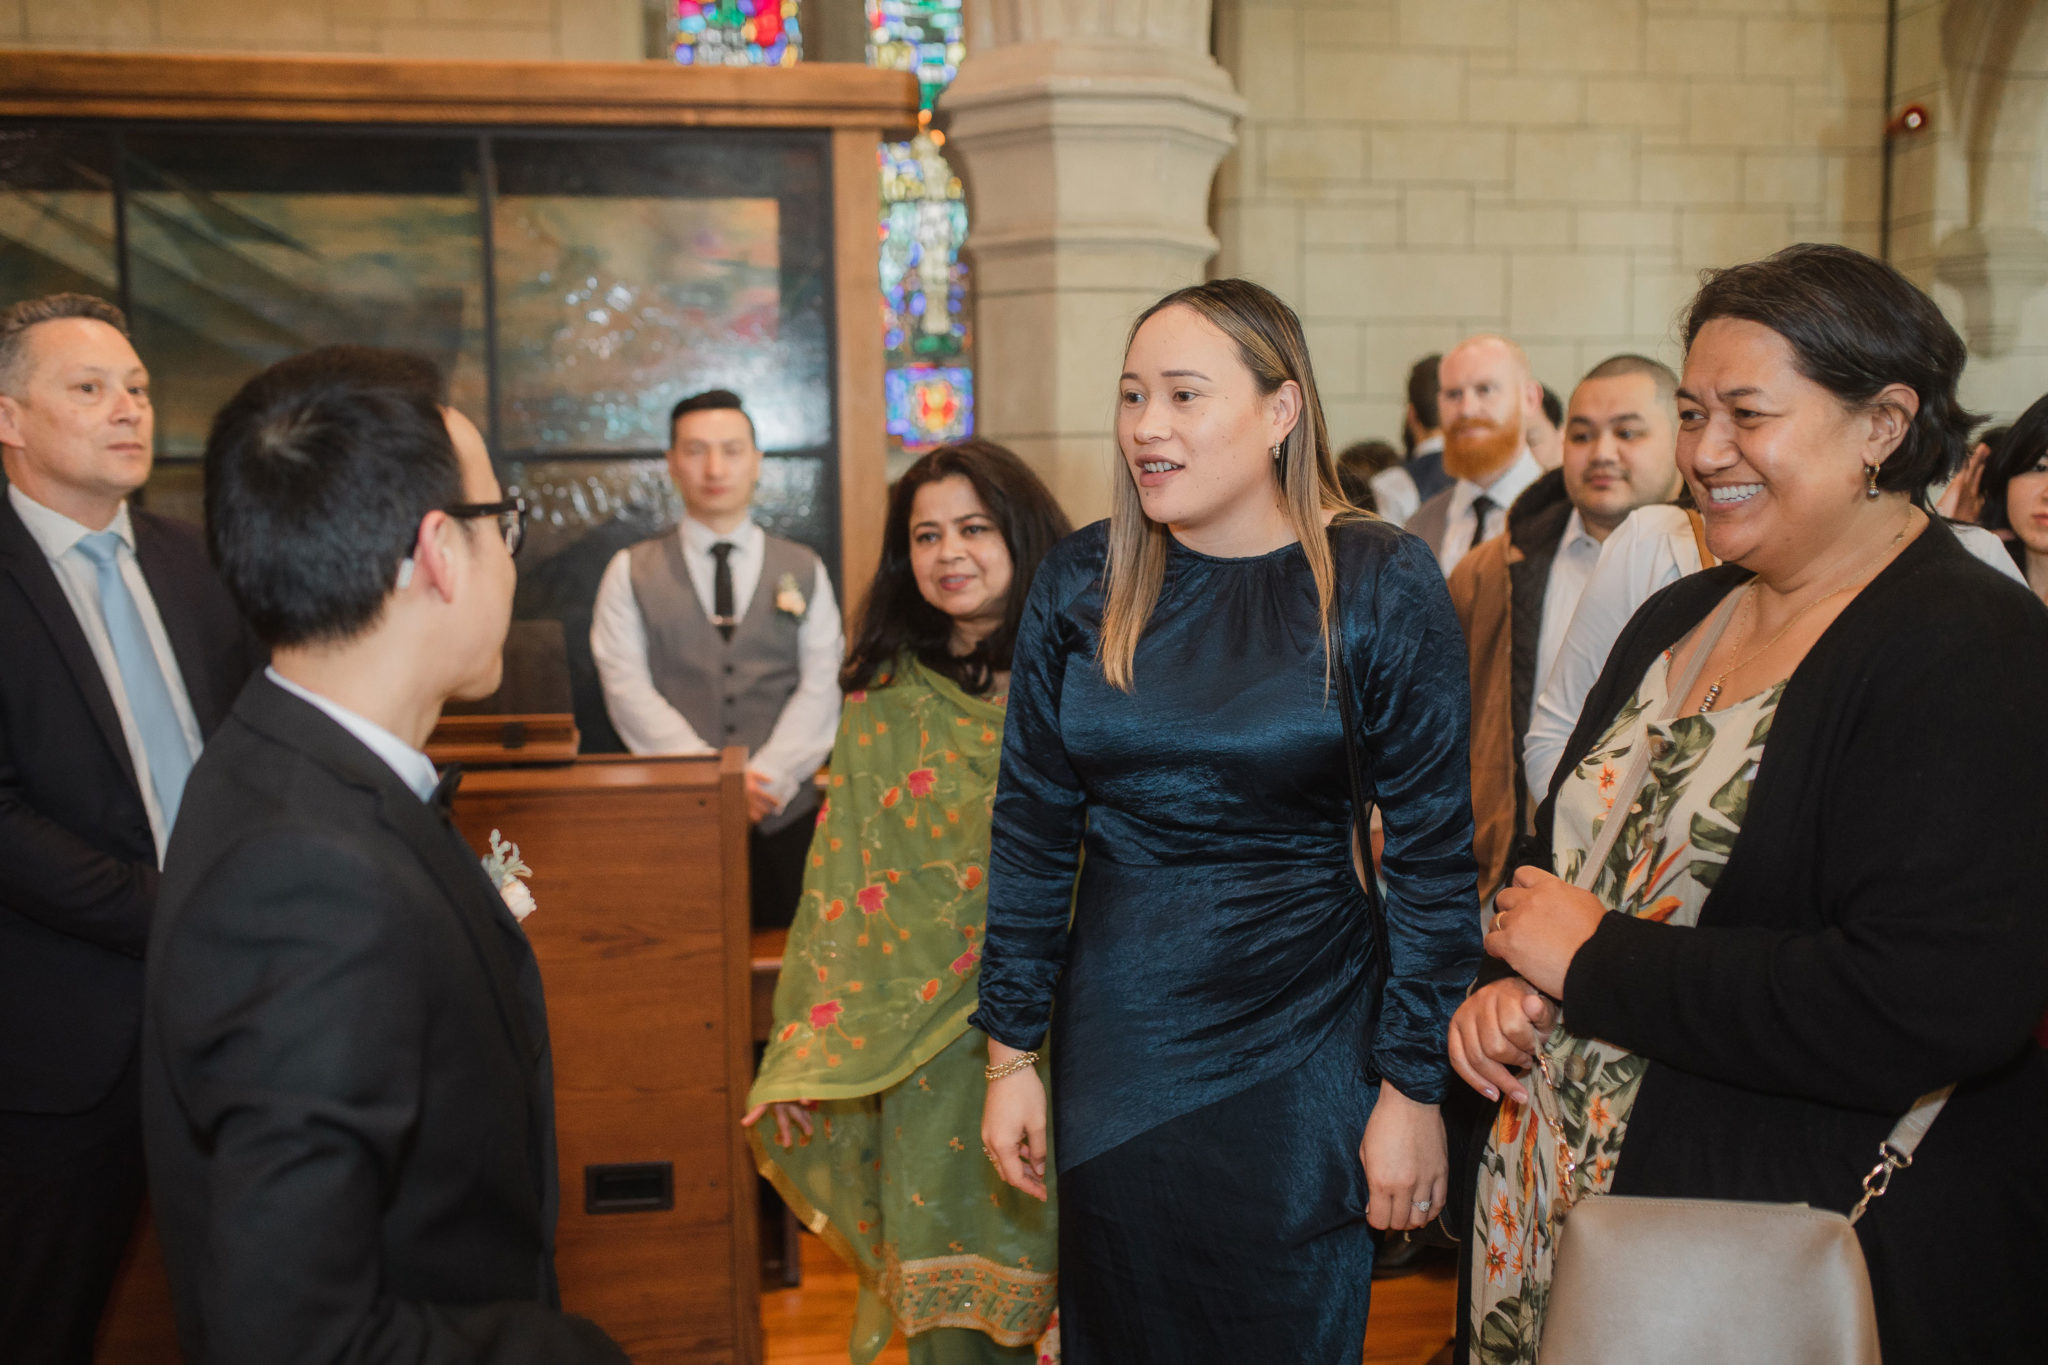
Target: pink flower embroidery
x=964 y=961
x=872 y=898
x=825 y=1015
x=857 y=697
x=824 y=809
x=921 y=782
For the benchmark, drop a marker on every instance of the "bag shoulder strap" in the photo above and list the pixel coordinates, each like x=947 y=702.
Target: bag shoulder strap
x=1699 y=537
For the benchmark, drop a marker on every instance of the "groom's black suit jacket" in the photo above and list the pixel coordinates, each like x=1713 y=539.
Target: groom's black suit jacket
x=348 y=1096
x=78 y=873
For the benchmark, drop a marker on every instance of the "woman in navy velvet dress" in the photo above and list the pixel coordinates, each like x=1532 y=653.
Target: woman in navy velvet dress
x=1249 y=1044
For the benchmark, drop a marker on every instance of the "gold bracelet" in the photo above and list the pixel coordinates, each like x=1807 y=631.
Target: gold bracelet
x=1011 y=1067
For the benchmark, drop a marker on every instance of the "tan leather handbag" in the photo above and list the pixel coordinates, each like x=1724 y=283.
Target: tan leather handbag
x=1641 y=1281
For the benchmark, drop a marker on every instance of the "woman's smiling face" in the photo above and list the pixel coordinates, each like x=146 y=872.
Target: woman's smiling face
x=1195 y=432
x=1775 y=461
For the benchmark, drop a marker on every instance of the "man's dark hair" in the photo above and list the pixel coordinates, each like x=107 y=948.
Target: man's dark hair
x=1628 y=363
x=711 y=400
x=317 y=475
x=1422 y=383
x=15 y=322
x=1855 y=325
x=895 y=619
x=1553 y=407
x=2014 y=450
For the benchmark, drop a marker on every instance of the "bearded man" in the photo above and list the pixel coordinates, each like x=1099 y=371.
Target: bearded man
x=1485 y=399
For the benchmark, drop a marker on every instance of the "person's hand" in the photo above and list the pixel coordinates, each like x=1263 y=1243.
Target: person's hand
x=760 y=805
x=1495 y=1033
x=1406 y=1166
x=787 y=1112
x=1963 y=499
x=1013 y=1123
x=1539 y=923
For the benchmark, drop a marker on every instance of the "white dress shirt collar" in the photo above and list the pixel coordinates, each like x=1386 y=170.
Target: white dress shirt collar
x=414 y=768
x=1428 y=445
x=698 y=538
x=1505 y=488
x=57 y=533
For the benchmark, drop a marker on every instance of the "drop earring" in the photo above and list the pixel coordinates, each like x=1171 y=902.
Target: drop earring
x=1870 y=481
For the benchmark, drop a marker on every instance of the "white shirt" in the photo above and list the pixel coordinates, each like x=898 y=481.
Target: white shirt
x=414 y=768
x=1505 y=488
x=1649 y=551
x=1570 y=568
x=58 y=536
x=802 y=738
x=1394 y=491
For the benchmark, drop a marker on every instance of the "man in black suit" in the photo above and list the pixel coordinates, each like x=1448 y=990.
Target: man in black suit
x=122 y=653
x=348 y=1095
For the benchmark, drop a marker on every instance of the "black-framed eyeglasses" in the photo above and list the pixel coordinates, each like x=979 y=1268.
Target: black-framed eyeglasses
x=510 y=512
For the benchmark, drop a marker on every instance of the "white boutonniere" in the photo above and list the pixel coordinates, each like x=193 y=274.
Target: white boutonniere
x=788 y=596
x=505 y=868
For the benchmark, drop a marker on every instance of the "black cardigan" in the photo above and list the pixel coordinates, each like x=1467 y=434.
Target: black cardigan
x=1880 y=929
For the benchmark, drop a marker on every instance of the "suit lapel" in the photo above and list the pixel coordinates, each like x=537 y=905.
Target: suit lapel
x=174 y=609
x=32 y=573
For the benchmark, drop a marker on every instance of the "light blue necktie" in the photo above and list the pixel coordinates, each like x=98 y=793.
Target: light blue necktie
x=149 y=696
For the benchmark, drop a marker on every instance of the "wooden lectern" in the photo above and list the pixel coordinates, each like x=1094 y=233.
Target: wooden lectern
x=641 y=929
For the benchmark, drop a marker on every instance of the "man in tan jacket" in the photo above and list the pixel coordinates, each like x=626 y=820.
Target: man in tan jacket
x=1515 y=593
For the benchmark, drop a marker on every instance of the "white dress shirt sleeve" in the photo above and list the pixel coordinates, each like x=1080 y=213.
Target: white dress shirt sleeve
x=802 y=738
x=1394 y=492
x=1651 y=549
x=1990 y=549
x=618 y=642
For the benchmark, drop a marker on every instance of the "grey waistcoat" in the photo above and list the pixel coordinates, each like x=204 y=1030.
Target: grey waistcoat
x=731 y=691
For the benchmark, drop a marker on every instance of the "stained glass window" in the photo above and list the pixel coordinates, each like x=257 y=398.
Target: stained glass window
x=929 y=379
x=737 y=33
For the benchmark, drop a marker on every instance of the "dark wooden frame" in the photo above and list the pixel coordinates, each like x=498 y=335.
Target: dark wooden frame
x=858 y=105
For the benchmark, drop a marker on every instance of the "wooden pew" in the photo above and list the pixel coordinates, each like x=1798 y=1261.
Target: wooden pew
x=640 y=882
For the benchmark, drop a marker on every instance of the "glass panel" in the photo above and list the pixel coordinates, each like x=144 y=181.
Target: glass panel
x=56 y=214
x=246 y=248
x=925 y=287
x=737 y=33
x=635 y=271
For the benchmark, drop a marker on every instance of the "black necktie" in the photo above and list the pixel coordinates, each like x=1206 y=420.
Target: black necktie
x=1482 y=508
x=722 y=614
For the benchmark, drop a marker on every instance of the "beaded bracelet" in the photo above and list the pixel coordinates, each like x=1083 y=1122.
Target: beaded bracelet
x=1011 y=1067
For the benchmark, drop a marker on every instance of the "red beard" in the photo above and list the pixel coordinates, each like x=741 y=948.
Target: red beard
x=1479 y=450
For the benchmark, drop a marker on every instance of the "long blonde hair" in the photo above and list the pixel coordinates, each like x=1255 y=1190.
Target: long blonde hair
x=1270 y=343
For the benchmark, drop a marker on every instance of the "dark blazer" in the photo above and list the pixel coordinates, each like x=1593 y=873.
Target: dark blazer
x=347 y=1091
x=78 y=871
x=1879 y=930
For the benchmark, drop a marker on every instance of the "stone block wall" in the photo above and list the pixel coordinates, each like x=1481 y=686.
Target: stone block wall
x=1411 y=171
x=591 y=30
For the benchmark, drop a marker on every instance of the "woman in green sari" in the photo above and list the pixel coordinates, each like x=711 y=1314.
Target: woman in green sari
x=872 y=1075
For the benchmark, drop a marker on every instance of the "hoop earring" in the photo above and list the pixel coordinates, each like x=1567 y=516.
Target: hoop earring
x=1276 y=450
x=1870 y=481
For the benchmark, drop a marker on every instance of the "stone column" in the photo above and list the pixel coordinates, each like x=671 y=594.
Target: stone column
x=1087 y=133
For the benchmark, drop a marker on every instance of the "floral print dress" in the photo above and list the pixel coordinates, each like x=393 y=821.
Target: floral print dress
x=1678 y=835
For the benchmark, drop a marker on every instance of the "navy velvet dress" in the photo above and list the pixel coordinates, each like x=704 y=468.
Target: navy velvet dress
x=1220 y=1008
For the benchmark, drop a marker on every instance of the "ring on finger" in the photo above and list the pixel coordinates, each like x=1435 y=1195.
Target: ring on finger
x=1424 y=1205
x=1498 y=916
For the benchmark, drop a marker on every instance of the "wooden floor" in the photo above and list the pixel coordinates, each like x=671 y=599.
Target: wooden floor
x=1411 y=1315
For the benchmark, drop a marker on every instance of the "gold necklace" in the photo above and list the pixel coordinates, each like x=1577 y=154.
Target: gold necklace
x=1714 y=688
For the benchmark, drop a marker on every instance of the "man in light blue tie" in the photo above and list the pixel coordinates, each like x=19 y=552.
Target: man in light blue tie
x=122 y=651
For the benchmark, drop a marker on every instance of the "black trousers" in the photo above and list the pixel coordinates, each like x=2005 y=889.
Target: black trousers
x=775 y=867
x=70 y=1188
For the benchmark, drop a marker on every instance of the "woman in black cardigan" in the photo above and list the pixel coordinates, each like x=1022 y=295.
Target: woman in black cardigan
x=1874 y=925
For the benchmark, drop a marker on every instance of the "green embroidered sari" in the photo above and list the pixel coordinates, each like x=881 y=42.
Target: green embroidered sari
x=871 y=1021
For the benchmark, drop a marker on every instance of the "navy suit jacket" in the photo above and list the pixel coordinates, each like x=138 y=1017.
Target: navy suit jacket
x=78 y=870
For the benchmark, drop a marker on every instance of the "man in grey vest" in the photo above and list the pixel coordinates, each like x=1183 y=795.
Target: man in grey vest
x=718 y=633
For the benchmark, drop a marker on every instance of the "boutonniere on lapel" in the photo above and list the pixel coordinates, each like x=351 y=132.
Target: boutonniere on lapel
x=505 y=868
x=788 y=596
